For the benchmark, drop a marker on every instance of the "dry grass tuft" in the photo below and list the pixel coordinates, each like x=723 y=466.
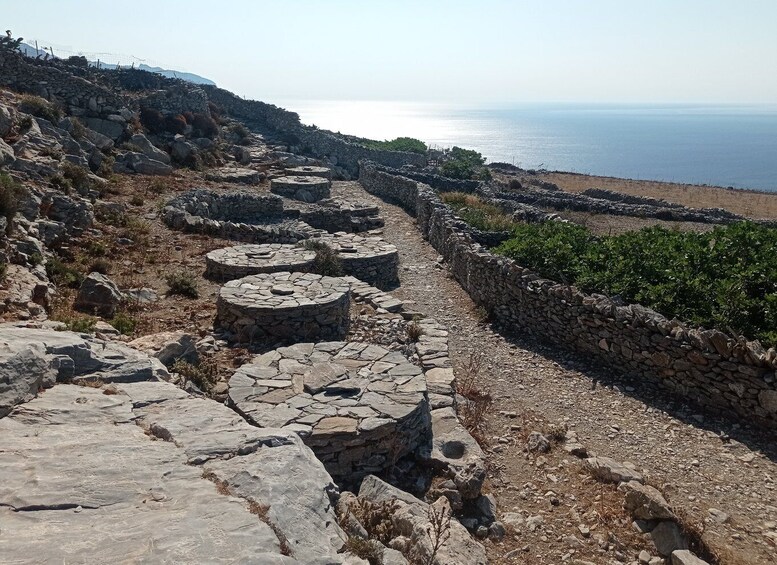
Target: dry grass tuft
x=478 y=401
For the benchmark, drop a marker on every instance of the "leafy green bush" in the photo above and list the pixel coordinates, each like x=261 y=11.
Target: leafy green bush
x=182 y=284
x=478 y=213
x=10 y=194
x=40 y=108
x=78 y=176
x=408 y=144
x=464 y=164
x=123 y=323
x=62 y=274
x=80 y=324
x=725 y=278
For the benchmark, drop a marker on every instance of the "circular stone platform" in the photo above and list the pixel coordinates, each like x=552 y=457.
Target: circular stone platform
x=240 y=261
x=309 y=171
x=358 y=406
x=307 y=189
x=284 y=306
x=369 y=259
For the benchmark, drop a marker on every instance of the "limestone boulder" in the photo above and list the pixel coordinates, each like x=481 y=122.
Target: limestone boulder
x=149 y=149
x=6 y=120
x=644 y=502
x=608 y=470
x=168 y=347
x=685 y=557
x=412 y=521
x=99 y=295
x=77 y=357
x=7 y=155
x=24 y=370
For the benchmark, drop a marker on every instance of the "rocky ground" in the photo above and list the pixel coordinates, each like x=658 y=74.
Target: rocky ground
x=721 y=476
x=548 y=407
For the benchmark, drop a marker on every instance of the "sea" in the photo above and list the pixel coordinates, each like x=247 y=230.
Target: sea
x=719 y=145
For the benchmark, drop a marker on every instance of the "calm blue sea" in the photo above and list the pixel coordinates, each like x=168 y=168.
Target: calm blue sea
x=717 y=145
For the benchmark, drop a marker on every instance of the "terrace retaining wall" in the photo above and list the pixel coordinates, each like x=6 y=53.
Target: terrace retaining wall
x=705 y=366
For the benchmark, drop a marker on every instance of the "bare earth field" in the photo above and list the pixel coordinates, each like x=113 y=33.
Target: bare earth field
x=749 y=203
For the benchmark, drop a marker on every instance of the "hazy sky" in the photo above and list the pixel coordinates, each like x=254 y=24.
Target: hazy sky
x=496 y=51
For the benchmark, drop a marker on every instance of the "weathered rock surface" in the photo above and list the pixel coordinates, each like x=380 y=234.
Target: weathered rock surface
x=77 y=460
x=149 y=149
x=610 y=471
x=412 y=519
x=644 y=502
x=77 y=357
x=168 y=347
x=685 y=557
x=98 y=294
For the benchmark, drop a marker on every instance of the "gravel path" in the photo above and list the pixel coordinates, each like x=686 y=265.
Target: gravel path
x=722 y=476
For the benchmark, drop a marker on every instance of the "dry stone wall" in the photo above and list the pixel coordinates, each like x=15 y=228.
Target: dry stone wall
x=319 y=143
x=23 y=74
x=721 y=373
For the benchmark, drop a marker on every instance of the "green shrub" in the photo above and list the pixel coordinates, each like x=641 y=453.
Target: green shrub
x=82 y=325
x=182 y=284
x=478 y=213
x=10 y=194
x=408 y=144
x=725 y=278
x=326 y=261
x=63 y=275
x=464 y=164
x=205 y=126
x=175 y=123
x=204 y=375
x=78 y=176
x=78 y=130
x=123 y=323
x=40 y=108
x=102 y=266
x=240 y=130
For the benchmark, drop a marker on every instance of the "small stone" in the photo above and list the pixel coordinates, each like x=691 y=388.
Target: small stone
x=537 y=443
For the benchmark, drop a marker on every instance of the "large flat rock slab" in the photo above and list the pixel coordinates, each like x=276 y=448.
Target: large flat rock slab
x=144 y=472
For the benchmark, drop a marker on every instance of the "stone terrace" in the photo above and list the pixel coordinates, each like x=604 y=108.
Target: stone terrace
x=359 y=406
x=284 y=306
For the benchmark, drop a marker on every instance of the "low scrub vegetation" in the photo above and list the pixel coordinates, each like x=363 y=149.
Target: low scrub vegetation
x=408 y=144
x=464 y=164
x=182 y=284
x=477 y=212
x=10 y=195
x=326 y=263
x=725 y=278
x=40 y=108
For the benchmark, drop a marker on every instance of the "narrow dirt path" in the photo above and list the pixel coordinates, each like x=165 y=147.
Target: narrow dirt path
x=721 y=476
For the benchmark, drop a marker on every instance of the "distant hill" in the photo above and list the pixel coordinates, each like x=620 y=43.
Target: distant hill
x=30 y=51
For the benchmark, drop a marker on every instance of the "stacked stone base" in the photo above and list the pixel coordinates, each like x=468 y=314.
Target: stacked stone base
x=359 y=406
x=304 y=188
x=284 y=306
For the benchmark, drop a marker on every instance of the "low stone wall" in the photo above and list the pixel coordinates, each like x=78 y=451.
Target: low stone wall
x=705 y=366
x=283 y=306
x=560 y=200
x=305 y=188
x=604 y=194
x=319 y=143
x=334 y=216
x=23 y=74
